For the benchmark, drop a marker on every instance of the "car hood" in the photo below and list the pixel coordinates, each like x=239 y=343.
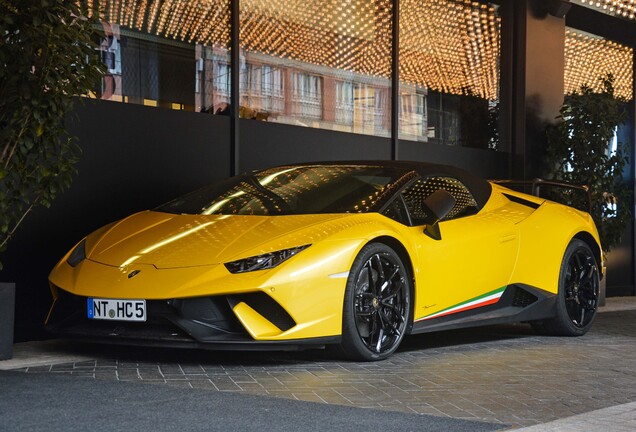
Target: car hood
x=170 y=241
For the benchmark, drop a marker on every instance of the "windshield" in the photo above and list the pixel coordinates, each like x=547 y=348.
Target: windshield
x=291 y=190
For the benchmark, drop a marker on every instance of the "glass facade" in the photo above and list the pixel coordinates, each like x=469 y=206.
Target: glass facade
x=170 y=54
x=317 y=63
x=449 y=72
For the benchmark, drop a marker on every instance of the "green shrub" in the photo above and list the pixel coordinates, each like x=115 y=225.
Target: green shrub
x=48 y=56
x=577 y=152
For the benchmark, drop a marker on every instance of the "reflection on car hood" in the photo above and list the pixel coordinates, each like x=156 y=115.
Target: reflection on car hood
x=169 y=241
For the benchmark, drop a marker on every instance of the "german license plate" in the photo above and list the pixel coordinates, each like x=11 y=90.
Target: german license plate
x=117 y=310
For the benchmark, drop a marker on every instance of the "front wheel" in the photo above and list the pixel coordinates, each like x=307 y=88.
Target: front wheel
x=577 y=300
x=377 y=304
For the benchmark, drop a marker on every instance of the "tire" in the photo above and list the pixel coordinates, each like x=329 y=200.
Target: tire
x=377 y=304
x=577 y=299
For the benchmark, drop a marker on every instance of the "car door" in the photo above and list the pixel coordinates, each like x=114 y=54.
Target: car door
x=471 y=264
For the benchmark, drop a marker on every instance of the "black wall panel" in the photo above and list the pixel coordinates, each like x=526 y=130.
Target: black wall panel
x=134 y=158
x=268 y=144
x=484 y=163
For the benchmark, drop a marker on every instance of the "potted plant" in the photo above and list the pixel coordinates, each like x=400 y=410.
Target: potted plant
x=48 y=57
x=580 y=150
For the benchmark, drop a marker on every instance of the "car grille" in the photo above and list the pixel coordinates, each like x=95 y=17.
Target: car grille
x=203 y=319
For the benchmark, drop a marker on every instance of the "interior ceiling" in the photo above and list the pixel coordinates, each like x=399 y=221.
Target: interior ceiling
x=450 y=46
x=589 y=57
x=461 y=55
x=621 y=8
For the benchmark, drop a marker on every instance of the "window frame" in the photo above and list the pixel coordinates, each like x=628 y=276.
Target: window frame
x=400 y=195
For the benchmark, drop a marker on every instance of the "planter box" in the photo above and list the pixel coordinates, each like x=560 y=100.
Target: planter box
x=7 y=311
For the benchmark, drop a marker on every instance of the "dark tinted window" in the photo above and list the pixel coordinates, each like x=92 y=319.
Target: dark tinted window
x=292 y=190
x=397 y=211
x=416 y=193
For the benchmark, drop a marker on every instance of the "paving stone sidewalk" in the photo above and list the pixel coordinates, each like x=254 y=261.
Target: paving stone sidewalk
x=620 y=418
x=503 y=374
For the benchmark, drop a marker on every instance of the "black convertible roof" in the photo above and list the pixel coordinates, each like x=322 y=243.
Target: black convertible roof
x=480 y=188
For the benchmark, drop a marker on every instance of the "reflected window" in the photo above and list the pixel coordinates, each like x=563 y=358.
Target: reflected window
x=262 y=91
x=306 y=98
x=166 y=54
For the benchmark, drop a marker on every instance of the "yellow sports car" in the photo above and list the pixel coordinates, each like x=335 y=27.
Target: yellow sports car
x=354 y=255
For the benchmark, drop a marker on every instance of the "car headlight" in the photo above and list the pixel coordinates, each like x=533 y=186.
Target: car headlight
x=78 y=255
x=262 y=262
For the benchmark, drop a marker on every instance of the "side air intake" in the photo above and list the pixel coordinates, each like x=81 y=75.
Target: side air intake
x=523 y=298
x=265 y=306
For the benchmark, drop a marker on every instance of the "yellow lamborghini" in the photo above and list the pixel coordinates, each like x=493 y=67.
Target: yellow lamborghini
x=354 y=255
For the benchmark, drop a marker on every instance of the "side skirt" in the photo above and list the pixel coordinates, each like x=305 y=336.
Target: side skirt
x=519 y=302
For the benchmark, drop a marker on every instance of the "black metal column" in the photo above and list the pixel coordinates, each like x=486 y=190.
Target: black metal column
x=517 y=99
x=507 y=82
x=395 y=80
x=235 y=70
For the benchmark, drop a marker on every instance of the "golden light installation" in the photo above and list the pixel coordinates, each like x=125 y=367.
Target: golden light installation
x=589 y=57
x=622 y=8
x=353 y=35
x=204 y=22
x=450 y=46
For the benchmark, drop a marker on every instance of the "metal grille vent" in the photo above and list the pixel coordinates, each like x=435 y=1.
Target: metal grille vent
x=523 y=298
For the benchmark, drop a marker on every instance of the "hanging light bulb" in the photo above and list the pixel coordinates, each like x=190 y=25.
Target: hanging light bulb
x=620 y=8
x=588 y=57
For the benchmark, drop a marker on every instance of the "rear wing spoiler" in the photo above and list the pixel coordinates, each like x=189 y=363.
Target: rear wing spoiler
x=545 y=189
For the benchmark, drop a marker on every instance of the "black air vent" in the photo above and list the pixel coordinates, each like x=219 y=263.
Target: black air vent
x=523 y=298
x=212 y=311
x=522 y=201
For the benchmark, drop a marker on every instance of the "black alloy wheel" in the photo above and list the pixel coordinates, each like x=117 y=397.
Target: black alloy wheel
x=581 y=288
x=377 y=306
x=577 y=301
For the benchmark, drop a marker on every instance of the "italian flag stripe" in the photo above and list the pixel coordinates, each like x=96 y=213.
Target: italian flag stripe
x=489 y=298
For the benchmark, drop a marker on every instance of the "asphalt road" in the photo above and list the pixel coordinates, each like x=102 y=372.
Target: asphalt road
x=44 y=402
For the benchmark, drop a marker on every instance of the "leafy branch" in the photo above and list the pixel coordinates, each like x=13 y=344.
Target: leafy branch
x=578 y=152
x=48 y=57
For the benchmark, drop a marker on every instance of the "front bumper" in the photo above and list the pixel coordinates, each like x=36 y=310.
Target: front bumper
x=199 y=322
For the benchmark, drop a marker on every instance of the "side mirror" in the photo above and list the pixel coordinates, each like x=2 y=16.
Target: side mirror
x=438 y=205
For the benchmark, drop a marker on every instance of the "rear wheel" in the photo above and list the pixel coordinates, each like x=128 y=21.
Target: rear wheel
x=577 y=300
x=377 y=304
